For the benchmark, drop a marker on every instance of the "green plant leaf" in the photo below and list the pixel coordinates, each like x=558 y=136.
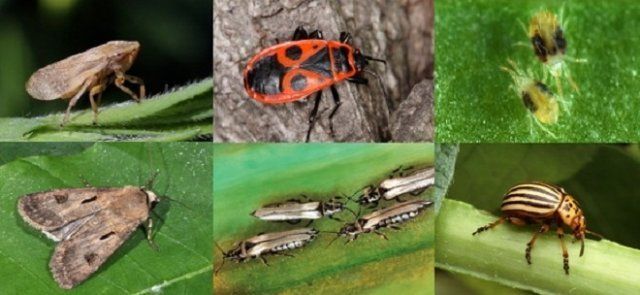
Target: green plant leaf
x=498 y=256
x=180 y=114
x=182 y=228
x=250 y=176
x=475 y=100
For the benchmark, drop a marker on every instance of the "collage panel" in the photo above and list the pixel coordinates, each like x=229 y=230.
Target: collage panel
x=485 y=245
x=537 y=71
x=324 y=219
x=88 y=71
x=330 y=71
x=76 y=216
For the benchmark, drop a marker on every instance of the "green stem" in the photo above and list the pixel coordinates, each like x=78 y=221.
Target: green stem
x=498 y=255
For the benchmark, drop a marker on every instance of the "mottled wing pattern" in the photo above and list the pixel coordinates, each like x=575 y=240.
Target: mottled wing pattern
x=54 y=209
x=76 y=258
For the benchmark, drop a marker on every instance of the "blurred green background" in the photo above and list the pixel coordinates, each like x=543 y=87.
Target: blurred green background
x=603 y=178
x=175 y=38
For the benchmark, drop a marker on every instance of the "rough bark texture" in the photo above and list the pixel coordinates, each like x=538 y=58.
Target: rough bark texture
x=413 y=119
x=401 y=32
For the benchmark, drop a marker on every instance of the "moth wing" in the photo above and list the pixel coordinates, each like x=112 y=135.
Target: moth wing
x=63 y=79
x=77 y=257
x=55 y=209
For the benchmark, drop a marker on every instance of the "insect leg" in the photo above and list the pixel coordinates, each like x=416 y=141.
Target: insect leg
x=139 y=81
x=148 y=229
x=337 y=103
x=314 y=115
x=565 y=254
x=345 y=37
x=489 y=226
x=381 y=234
x=119 y=82
x=74 y=100
x=264 y=260
x=527 y=255
x=96 y=90
x=300 y=34
x=317 y=34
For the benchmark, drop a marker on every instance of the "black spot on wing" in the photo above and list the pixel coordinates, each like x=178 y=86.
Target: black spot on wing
x=293 y=52
x=299 y=82
x=319 y=63
x=340 y=59
x=266 y=76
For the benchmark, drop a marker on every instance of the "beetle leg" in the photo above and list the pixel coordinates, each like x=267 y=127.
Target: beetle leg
x=314 y=115
x=527 y=255
x=119 y=82
x=345 y=37
x=317 y=34
x=337 y=103
x=74 y=100
x=565 y=254
x=489 y=226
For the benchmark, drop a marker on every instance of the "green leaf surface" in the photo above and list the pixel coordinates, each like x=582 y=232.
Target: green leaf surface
x=180 y=114
x=182 y=228
x=600 y=177
x=498 y=256
x=250 y=176
x=476 y=102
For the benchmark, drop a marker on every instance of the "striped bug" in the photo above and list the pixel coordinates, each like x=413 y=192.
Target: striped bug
x=397 y=185
x=541 y=203
x=292 y=211
x=275 y=243
x=388 y=217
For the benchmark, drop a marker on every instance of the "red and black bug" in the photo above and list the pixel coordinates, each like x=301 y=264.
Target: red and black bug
x=295 y=69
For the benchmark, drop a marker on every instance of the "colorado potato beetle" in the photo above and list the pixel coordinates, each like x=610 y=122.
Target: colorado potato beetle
x=550 y=45
x=293 y=70
x=546 y=204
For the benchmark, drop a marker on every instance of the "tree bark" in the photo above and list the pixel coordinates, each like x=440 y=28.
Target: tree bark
x=401 y=32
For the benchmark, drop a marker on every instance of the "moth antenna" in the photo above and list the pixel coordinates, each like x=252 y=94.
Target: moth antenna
x=150 y=182
x=384 y=89
x=176 y=201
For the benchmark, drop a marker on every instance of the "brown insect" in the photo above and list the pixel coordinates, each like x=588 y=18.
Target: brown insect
x=90 y=224
x=546 y=204
x=90 y=71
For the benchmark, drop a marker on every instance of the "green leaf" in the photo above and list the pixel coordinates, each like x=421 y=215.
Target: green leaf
x=250 y=176
x=475 y=100
x=600 y=177
x=182 y=228
x=180 y=114
x=498 y=255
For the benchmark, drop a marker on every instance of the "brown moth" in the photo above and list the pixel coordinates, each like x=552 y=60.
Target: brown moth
x=90 y=71
x=89 y=224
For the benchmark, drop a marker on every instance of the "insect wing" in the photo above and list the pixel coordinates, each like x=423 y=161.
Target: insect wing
x=64 y=78
x=289 y=211
x=275 y=241
x=418 y=181
x=374 y=218
x=77 y=257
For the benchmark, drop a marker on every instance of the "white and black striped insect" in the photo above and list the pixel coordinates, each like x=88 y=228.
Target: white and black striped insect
x=275 y=243
x=397 y=185
x=388 y=217
x=546 y=204
x=292 y=211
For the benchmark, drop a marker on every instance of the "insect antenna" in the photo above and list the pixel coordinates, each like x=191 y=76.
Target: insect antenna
x=594 y=234
x=384 y=89
x=333 y=240
x=224 y=254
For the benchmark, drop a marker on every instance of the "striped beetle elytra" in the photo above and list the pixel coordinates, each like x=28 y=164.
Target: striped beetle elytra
x=397 y=185
x=293 y=211
x=388 y=217
x=546 y=204
x=274 y=243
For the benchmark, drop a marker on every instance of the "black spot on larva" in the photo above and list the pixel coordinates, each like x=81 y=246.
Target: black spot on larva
x=558 y=38
x=89 y=200
x=61 y=198
x=539 y=48
x=90 y=258
x=528 y=103
x=107 y=235
x=293 y=52
x=298 y=82
x=567 y=215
